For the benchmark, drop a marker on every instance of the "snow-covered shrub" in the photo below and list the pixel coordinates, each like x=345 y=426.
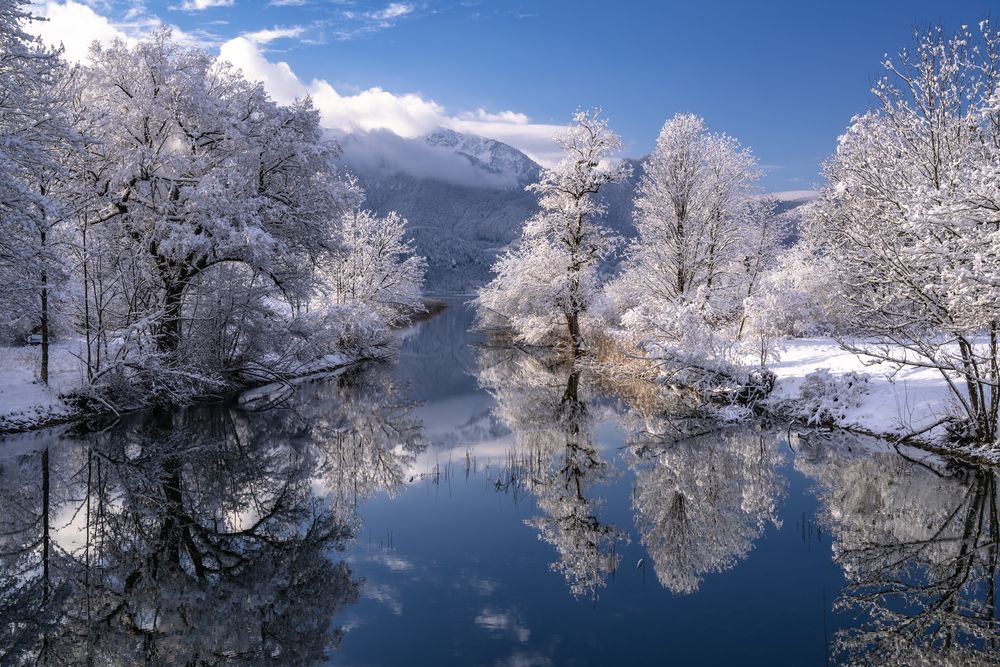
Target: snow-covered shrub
x=761 y=330
x=797 y=297
x=826 y=399
x=375 y=268
x=688 y=350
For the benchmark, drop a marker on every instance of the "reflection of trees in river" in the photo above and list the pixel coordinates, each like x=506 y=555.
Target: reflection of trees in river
x=918 y=545
x=545 y=408
x=701 y=502
x=192 y=538
x=360 y=437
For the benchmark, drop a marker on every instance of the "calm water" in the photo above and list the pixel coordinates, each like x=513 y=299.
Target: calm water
x=474 y=506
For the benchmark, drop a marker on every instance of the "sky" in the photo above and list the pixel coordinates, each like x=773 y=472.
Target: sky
x=784 y=78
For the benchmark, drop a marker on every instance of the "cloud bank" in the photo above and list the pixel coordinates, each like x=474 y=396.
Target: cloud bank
x=409 y=115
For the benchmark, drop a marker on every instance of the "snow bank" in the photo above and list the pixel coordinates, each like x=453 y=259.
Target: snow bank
x=27 y=403
x=893 y=402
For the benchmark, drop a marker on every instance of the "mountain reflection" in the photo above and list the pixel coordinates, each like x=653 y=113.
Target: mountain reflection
x=918 y=546
x=196 y=538
x=544 y=407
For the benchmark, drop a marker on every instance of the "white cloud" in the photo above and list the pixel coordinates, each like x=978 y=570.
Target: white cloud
x=407 y=115
x=199 y=5
x=794 y=195
x=269 y=35
x=74 y=25
x=77 y=26
x=364 y=23
x=395 y=10
x=501 y=117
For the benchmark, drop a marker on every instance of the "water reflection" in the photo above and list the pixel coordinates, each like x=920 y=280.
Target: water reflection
x=198 y=537
x=701 y=502
x=544 y=406
x=214 y=536
x=918 y=546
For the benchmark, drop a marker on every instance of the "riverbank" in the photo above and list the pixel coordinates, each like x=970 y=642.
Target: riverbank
x=26 y=404
x=818 y=383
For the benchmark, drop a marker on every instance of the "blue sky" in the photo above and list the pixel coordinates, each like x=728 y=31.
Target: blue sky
x=783 y=77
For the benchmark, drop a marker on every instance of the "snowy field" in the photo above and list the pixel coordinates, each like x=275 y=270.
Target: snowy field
x=26 y=402
x=892 y=402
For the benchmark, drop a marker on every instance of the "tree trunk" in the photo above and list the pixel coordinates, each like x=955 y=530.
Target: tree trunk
x=43 y=371
x=86 y=302
x=168 y=336
x=573 y=326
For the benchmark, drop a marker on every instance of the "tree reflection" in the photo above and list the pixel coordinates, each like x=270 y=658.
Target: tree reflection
x=918 y=545
x=543 y=406
x=702 y=501
x=196 y=538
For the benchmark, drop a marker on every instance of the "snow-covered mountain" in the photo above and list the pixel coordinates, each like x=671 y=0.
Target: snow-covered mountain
x=487 y=155
x=792 y=205
x=463 y=196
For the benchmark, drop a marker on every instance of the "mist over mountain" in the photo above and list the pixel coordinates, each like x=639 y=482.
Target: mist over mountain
x=465 y=201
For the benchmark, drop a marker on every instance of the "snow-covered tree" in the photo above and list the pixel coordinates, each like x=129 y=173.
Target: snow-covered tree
x=34 y=129
x=376 y=266
x=910 y=220
x=206 y=215
x=705 y=239
x=545 y=286
x=701 y=225
x=199 y=168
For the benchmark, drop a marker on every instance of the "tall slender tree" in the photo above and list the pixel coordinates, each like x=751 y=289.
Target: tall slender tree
x=33 y=129
x=546 y=285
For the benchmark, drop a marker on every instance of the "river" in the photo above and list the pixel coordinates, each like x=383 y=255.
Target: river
x=473 y=505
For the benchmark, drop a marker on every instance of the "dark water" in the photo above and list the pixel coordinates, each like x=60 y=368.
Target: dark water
x=476 y=506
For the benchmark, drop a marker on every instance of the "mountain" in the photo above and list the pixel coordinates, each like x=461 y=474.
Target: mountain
x=487 y=155
x=792 y=205
x=462 y=195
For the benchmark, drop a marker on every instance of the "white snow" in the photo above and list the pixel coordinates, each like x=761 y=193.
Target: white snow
x=24 y=400
x=898 y=401
x=794 y=195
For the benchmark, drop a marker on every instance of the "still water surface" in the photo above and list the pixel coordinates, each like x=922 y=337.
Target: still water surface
x=475 y=506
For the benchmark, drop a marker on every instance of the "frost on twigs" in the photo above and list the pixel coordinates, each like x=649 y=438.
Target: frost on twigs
x=826 y=399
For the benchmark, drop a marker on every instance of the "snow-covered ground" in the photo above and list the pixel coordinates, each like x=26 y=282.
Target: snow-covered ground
x=892 y=402
x=24 y=401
